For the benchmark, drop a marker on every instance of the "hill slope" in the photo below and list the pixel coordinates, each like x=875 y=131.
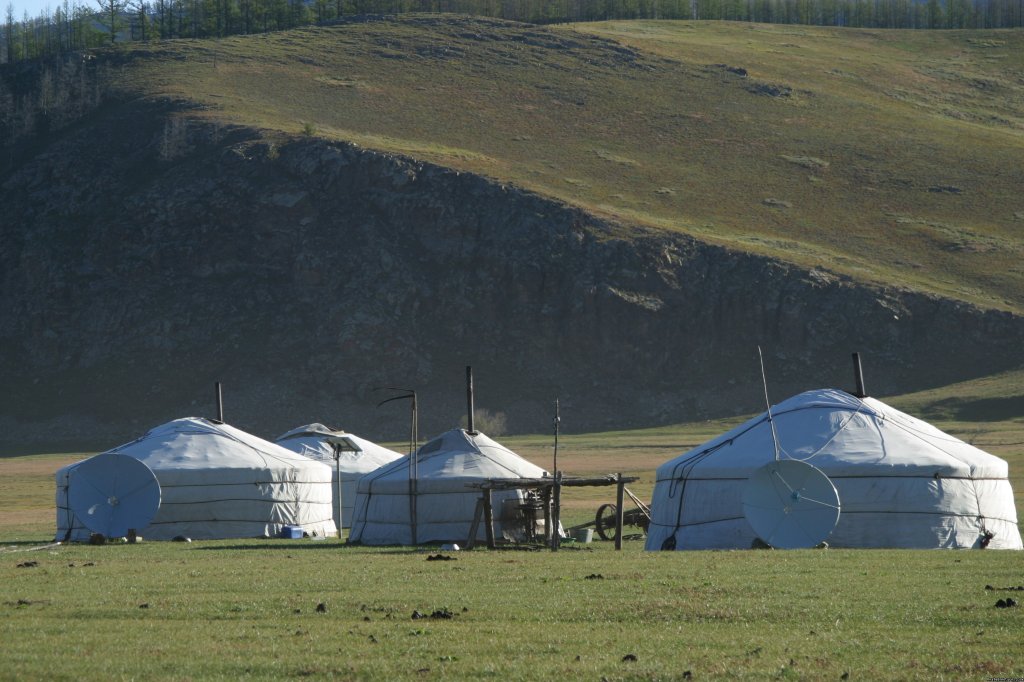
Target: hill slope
x=887 y=155
x=633 y=224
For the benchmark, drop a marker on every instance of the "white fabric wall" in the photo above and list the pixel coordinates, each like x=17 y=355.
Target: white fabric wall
x=219 y=482
x=901 y=481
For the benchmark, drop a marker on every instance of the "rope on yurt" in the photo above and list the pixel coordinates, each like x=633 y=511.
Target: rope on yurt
x=681 y=474
x=986 y=534
x=834 y=435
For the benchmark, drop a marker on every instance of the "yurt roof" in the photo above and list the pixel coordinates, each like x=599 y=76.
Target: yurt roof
x=458 y=454
x=311 y=441
x=840 y=434
x=197 y=443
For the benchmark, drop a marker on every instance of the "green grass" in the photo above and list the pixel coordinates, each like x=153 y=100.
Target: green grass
x=893 y=156
x=247 y=608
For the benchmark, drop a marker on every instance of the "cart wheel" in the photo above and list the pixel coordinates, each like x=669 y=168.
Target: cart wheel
x=605 y=521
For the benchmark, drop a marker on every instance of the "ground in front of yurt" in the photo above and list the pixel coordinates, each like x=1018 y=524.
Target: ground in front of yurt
x=316 y=609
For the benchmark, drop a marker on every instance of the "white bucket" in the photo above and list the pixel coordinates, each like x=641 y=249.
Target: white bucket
x=583 y=535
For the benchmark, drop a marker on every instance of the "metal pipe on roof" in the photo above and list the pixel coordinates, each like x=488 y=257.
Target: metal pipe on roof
x=469 y=400
x=858 y=377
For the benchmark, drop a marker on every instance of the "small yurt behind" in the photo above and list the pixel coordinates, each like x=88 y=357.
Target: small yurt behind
x=218 y=482
x=430 y=500
x=315 y=441
x=902 y=483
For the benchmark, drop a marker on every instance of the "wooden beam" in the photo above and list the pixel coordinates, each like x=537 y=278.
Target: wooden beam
x=620 y=484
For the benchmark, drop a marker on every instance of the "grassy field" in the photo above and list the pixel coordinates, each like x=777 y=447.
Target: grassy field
x=890 y=156
x=249 y=608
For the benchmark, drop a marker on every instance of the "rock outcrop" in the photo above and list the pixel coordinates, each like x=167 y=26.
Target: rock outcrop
x=142 y=260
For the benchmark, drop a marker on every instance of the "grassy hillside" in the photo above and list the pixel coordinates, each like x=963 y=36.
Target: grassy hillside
x=886 y=155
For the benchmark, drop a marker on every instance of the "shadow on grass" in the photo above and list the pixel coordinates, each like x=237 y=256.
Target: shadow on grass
x=390 y=549
x=41 y=544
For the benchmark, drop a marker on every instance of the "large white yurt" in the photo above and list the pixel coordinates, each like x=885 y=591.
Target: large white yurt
x=218 y=482
x=315 y=441
x=387 y=512
x=902 y=483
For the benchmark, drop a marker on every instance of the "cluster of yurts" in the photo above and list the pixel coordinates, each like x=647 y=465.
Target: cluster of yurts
x=902 y=483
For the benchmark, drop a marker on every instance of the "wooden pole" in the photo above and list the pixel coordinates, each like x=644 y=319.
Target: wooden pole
x=478 y=513
x=558 y=420
x=545 y=495
x=618 y=510
x=557 y=520
x=414 y=463
x=337 y=472
x=489 y=518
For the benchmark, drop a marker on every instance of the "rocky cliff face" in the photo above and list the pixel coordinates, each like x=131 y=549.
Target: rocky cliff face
x=142 y=260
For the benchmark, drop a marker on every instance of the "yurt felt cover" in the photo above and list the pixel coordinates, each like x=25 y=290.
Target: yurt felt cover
x=311 y=441
x=444 y=502
x=219 y=482
x=902 y=482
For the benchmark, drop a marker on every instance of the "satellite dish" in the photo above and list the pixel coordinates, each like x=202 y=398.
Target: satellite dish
x=112 y=494
x=790 y=504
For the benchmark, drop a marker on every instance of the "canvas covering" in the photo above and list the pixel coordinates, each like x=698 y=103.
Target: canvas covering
x=902 y=483
x=445 y=504
x=311 y=441
x=218 y=482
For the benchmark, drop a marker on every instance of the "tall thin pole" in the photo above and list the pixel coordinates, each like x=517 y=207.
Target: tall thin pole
x=557 y=421
x=414 y=467
x=771 y=421
x=337 y=472
x=414 y=440
x=557 y=497
x=556 y=519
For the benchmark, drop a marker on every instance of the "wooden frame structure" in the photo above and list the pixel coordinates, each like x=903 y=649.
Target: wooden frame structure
x=550 y=490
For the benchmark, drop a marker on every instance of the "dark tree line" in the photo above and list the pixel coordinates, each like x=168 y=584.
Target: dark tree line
x=74 y=26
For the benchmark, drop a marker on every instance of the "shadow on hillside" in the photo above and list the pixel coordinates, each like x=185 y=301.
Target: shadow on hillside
x=981 y=410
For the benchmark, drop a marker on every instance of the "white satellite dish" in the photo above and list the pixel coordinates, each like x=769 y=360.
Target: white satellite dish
x=790 y=504
x=112 y=494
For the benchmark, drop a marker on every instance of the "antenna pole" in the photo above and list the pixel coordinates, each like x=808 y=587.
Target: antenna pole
x=557 y=421
x=220 y=402
x=858 y=377
x=337 y=473
x=771 y=420
x=414 y=441
x=469 y=400
x=415 y=464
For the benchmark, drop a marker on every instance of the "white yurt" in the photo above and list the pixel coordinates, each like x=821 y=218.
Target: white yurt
x=387 y=512
x=218 y=482
x=315 y=441
x=902 y=483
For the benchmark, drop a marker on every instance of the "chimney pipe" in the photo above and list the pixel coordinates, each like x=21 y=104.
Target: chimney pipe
x=858 y=377
x=469 y=399
x=220 y=403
